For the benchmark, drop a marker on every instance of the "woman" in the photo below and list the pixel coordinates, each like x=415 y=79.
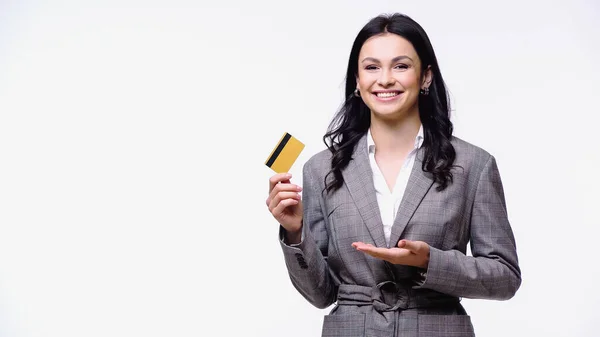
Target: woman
x=387 y=211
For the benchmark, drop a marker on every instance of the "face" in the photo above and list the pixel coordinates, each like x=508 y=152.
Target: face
x=389 y=76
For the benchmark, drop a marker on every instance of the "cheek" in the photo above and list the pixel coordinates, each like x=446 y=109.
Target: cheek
x=366 y=80
x=408 y=79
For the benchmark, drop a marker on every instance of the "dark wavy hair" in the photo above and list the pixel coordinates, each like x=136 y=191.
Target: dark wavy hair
x=353 y=119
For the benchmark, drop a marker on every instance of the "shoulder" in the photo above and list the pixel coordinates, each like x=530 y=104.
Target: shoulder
x=319 y=163
x=469 y=156
x=316 y=169
x=466 y=149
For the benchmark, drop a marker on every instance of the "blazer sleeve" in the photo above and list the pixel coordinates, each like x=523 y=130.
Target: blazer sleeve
x=493 y=271
x=306 y=262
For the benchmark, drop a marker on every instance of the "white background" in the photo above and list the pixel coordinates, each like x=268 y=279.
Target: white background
x=133 y=136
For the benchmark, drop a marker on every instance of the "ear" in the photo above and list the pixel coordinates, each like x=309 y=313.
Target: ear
x=427 y=78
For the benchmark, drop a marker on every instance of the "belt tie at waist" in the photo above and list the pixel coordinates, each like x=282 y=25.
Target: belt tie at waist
x=390 y=296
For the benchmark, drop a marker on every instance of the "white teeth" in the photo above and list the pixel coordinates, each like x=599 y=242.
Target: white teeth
x=386 y=94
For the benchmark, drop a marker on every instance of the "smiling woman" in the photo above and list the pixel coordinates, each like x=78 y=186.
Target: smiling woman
x=388 y=209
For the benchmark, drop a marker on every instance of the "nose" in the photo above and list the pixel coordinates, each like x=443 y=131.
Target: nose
x=386 y=78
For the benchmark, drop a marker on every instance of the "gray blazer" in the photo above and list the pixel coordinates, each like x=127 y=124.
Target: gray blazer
x=377 y=298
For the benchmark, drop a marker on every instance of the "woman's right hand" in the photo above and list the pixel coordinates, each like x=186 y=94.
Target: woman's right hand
x=285 y=203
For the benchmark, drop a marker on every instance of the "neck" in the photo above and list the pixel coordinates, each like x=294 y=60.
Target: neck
x=395 y=136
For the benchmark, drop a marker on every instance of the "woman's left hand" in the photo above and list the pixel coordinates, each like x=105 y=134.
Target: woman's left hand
x=410 y=253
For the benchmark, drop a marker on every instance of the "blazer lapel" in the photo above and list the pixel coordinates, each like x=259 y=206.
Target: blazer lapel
x=358 y=177
x=418 y=185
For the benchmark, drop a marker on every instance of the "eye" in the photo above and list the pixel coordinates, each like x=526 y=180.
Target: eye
x=401 y=66
x=371 y=67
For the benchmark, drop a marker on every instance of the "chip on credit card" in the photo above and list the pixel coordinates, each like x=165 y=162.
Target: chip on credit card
x=285 y=154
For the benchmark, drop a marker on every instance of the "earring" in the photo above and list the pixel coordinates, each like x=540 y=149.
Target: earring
x=425 y=91
x=356 y=92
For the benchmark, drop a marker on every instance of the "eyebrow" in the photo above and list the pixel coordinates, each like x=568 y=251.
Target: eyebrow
x=394 y=60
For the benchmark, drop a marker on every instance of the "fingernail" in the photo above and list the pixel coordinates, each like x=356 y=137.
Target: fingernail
x=299 y=188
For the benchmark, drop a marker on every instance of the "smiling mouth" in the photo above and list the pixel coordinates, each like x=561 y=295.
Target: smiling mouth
x=388 y=94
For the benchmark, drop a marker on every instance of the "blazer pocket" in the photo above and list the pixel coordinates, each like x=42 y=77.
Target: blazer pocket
x=344 y=326
x=445 y=326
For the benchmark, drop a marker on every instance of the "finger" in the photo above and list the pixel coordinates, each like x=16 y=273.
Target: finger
x=413 y=246
x=276 y=196
x=355 y=244
x=382 y=253
x=361 y=244
x=282 y=196
x=276 y=179
x=278 y=210
x=393 y=255
x=284 y=187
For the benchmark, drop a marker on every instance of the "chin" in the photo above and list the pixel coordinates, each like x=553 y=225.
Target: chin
x=388 y=111
x=397 y=113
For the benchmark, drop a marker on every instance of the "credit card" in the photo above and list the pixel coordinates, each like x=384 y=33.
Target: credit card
x=284 y=154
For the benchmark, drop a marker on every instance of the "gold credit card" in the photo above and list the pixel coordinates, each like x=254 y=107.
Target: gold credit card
x=285 y=154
